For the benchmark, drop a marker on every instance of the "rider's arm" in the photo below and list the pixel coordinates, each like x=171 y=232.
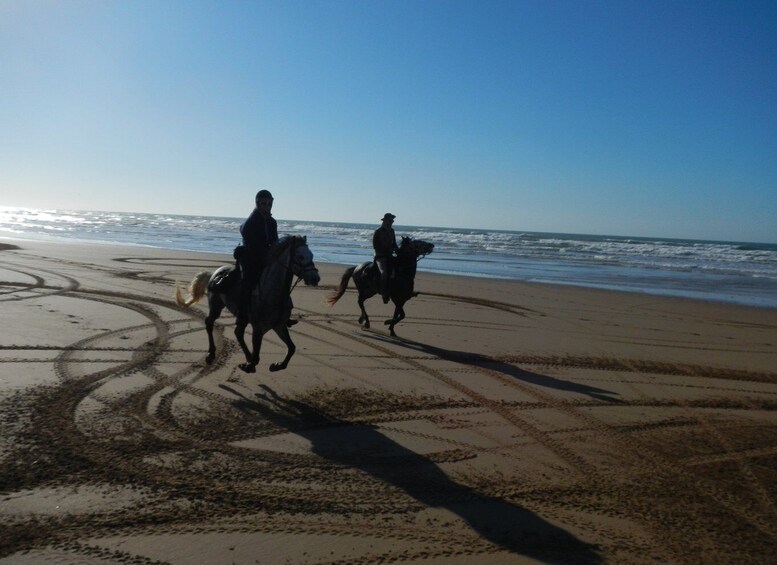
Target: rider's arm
x=272 y=230
x=248 y=231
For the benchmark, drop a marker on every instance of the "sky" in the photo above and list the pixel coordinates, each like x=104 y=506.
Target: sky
x=645 y=118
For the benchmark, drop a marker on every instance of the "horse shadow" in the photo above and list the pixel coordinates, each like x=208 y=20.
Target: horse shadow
x=508 y=369
x=363 y=447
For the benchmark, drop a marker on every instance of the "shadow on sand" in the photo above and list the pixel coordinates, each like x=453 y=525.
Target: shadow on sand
x=364 y=447
x=484 y=362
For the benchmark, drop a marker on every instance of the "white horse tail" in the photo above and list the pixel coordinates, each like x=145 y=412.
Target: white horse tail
x=197 y=289
x=335 y=296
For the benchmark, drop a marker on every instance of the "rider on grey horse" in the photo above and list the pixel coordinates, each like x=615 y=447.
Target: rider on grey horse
x=384 y=241
x=259 y=231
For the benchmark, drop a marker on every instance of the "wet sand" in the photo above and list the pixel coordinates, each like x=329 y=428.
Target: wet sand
x=508 y=423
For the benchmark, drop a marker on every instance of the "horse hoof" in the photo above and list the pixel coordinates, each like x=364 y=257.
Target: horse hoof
x=391 y=331
x=277 y=367
x=387 y=322
x=247 y=368
x=209 y=359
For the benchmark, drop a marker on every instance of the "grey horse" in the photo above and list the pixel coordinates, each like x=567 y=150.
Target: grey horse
x=270 y=302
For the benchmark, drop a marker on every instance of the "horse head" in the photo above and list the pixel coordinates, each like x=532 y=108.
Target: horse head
x=420 y=247
x=302 y=261
x=412 y=249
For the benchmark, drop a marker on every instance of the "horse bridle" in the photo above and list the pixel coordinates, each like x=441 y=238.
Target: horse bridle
x=417 y=259
x=306 y=268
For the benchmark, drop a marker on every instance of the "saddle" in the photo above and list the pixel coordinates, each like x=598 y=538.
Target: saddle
x=372 y=272
x=224 y=281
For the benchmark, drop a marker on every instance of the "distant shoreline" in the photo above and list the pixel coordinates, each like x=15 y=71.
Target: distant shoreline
x=727 y=272
x=226 y=258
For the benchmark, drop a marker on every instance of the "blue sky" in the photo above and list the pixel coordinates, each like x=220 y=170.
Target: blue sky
x=628 y=118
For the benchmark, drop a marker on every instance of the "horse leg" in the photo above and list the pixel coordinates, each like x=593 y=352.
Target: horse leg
x=399 y=315
x=365 y=286
x=283 y=332
x=215 y=306
x=363 y=319
x=256 y=343
x=240 y=328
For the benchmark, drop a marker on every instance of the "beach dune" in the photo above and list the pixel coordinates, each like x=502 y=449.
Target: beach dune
x=509 y=422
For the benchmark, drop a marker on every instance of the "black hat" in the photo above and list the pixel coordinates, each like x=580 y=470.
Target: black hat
x=388 y=216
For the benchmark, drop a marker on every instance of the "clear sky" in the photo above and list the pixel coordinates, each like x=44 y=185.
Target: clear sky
x=654 y=118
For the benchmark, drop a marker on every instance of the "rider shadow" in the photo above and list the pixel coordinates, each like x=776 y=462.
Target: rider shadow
x=484 y=362
x=364 y=447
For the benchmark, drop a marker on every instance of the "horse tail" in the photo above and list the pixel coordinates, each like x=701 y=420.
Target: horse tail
x=197 y=289
x=335 y=296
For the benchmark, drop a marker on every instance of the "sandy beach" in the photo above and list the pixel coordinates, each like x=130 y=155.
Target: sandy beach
x=507 y=423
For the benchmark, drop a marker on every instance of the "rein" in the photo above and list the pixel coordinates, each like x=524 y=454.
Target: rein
x=417 y=259
x=307 y=267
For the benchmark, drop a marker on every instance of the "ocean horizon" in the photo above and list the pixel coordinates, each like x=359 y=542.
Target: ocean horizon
x=723 y=271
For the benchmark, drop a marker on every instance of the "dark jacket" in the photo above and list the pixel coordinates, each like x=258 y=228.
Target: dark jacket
x=258 y=234
x=384 y=241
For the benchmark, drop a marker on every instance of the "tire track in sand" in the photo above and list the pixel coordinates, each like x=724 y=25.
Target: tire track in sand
x=638 y=453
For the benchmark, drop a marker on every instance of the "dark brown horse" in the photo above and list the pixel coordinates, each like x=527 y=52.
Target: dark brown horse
x=270 y=302
x=367 y=280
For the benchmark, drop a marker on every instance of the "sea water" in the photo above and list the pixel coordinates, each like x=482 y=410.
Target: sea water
x=735 y=272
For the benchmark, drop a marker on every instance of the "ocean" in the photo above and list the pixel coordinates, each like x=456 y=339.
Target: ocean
x=724 y=271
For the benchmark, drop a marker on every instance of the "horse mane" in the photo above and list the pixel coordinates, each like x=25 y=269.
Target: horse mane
x=284 y=242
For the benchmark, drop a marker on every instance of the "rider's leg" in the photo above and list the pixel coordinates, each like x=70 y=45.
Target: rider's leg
x=248 y=278
x=389 y=278
x=383 y=267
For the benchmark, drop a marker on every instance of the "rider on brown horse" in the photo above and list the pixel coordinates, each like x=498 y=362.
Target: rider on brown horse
x=384 y=241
